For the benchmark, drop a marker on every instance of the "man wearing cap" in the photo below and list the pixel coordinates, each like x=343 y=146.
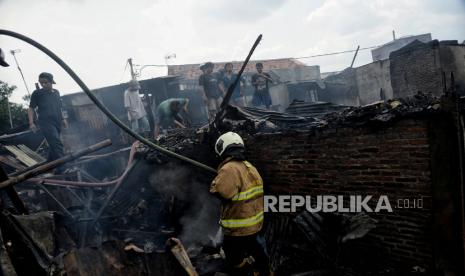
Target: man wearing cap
x=135 y=108
x=47 y=101
x=211 y=92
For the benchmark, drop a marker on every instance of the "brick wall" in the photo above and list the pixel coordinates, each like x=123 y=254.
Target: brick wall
x=392 y=161
x=416 y=68
x=192 y=71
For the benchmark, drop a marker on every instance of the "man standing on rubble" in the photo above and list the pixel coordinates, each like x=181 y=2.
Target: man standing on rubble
x=240 y=187
x=135 y=108
x=262 y=94
x=167 y=114
x=211 y=92
x=50 y=118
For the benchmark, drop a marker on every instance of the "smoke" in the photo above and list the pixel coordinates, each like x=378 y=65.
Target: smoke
x=198 y=211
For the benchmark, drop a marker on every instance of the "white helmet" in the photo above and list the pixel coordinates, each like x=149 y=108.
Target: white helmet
x=226 y=140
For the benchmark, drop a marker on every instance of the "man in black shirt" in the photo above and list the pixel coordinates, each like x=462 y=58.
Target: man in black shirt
x=50 y=119
x=210 y=84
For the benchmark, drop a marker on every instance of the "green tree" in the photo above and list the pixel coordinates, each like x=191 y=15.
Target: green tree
x=18 y=112
x=27 y=98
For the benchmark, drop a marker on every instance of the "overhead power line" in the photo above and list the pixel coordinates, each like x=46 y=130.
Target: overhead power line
x=336 y=53
x=304 y=57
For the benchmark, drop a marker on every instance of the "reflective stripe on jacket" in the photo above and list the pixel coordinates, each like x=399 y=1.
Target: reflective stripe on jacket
x=241 y=186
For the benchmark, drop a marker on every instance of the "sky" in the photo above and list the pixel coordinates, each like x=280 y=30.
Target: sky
x=96 y=37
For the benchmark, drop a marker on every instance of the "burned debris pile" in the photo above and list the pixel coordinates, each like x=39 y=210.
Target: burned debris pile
x=323 y=238
x=304 y=117
x=313 y=109
x=123 y=228
x=385 y=111
x=93 y=228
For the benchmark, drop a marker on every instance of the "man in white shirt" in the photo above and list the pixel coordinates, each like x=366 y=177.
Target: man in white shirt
x=135 y=108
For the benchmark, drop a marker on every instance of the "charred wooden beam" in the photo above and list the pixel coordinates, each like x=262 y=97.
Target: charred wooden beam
x=53 y=164
x=180 y=253
x=13 y=195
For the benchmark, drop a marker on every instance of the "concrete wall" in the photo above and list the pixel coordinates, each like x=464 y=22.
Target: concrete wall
x=341 y=89
x=371 y=79
x=297 y=74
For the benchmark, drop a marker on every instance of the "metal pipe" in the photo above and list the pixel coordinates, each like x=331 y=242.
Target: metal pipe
x=13 y=52
x=53 y=164
x=355 y=55
x=89 y=158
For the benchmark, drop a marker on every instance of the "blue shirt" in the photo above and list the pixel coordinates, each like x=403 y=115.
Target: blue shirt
x=229 y=80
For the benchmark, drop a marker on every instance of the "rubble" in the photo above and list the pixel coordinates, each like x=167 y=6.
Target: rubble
x=124 y=221
x=385 y=111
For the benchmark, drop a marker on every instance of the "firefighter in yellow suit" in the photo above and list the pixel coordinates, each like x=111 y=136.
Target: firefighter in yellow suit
x=240 y=187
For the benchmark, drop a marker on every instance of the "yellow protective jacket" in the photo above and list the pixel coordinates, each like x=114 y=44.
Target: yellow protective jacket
x=241 y=187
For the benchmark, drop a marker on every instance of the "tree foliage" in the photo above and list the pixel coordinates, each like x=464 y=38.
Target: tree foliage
x=18 y=112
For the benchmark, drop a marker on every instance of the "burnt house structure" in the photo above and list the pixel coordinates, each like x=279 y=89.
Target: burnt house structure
x=417 y=66
x=89 y=125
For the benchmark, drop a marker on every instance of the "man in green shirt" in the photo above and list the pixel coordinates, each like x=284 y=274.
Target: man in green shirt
x=167 y=114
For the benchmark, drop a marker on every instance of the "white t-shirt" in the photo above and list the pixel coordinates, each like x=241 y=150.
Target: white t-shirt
x=133 y=102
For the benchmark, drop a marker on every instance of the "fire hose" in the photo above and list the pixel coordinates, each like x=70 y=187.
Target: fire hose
x=102 y=107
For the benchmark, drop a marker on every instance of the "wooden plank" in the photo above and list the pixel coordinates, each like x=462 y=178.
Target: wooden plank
x=12 y=162
x=21 y=156
x=34 y=155
x=21 y=153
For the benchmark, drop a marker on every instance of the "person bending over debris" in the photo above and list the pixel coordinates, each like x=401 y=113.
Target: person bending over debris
x=135 y=108
x=237 y=97
x=240 y=187
x=167 y=114
x=50 y=118
x=262 y=94
x=211 y=92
